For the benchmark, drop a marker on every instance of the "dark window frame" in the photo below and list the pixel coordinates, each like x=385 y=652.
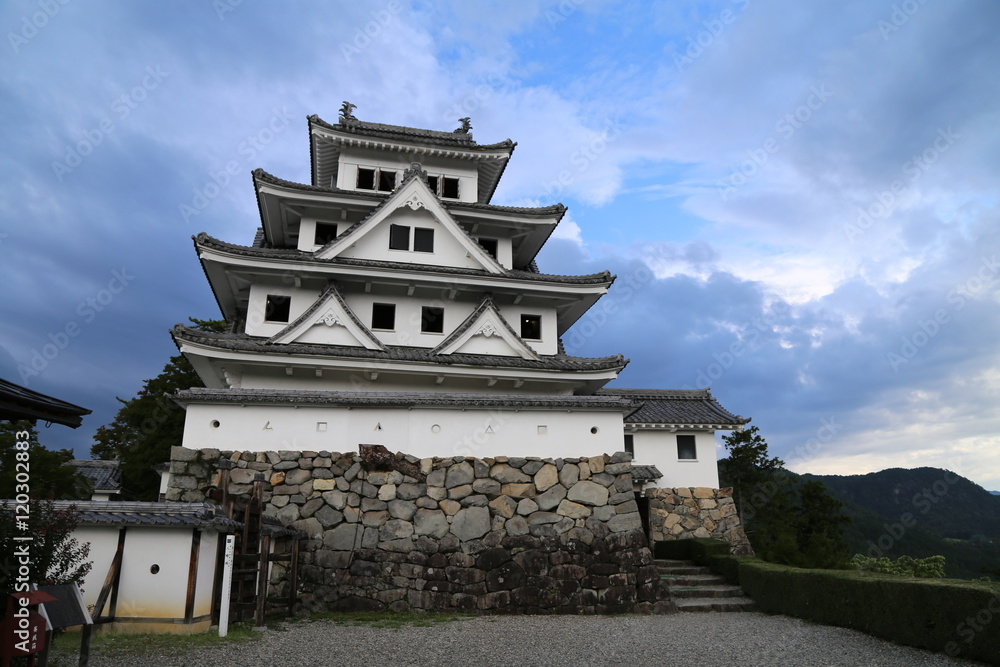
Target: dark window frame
x=531 y=324
x=277 y=308
x=630 y=443
x=423 y=239
x=384 y=313
x=396 y=236
x=324 y=233
x=376 y=179
x=491 y=246
x=432 y=320
x=687 y=448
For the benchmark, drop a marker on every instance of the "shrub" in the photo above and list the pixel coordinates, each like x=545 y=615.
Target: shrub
x=906 y=566
x=57 y=557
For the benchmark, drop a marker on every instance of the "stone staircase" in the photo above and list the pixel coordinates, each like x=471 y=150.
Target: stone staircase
x=695 y=588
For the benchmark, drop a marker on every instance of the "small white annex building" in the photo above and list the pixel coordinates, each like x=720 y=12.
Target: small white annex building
x=389 y=302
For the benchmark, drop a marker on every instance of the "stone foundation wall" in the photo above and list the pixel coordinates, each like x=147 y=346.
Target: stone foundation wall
x=514 y=535
x=688 y=512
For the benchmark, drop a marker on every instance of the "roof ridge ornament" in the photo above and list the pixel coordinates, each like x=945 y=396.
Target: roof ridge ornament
x=347 y=111
x=465 y=127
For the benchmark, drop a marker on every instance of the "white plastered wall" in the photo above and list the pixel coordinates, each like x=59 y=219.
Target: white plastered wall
x=659 y=448
x=422 y=432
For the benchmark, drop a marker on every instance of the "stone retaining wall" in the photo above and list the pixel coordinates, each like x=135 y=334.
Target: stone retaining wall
x=688 y=512
x=515 y=535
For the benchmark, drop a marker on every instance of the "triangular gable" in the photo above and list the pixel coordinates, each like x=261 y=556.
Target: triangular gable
x=329 y=310
x=485 y=321
x=415 y=193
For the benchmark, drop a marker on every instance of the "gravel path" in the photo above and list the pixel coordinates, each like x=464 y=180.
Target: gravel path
x=701 y=640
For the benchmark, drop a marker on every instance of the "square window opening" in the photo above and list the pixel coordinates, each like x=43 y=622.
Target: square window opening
x=531 y=327
x=449 y=188
x=686 y=449
x=630 y=443
x=399 y=237
x=325 y=232
x=384 y=316
x=366 y=179
x=491 y=246
x=386 y=181
x=423 y=239
x=277 y=308
x=432 y=183
x=432 y=319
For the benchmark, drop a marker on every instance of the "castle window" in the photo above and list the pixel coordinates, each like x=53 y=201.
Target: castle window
x=630 y=443
x=382 y=180
x=449 y=188
x=325 y=232
x=686 y=449
x=399 y=237
x=531 y=327
x=432 y=183
x=384 y=316
x=277 y=308
x=490 y=246
x=432 y=319
x=423 y=239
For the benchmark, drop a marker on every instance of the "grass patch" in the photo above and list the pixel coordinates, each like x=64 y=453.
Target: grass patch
x=66 y=646
x=390 y=620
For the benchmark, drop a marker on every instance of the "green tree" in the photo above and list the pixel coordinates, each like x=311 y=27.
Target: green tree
x=148 y=424
x=787 y=521
x=46 y=476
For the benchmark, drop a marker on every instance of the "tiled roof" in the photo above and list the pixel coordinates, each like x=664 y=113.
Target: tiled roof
x=103 y=475
x=676 y=406
x=244 y=343
x=292 y=254
x=125 y=513
x=330 y=291
x=17 y=402
x=540 y=211
x=645 y=473
x=399 y=132
x=400 y=399
x=484 y=305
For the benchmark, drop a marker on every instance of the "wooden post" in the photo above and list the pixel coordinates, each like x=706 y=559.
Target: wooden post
x=114 y=576
x=263 y=563
x=192 y=582
x=293 y=577
x=225 y=465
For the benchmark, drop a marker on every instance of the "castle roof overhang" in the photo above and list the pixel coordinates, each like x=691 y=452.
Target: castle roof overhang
x=17 y=403
x=282 y=203
x=204 y=349
x=229 y=269
x=676 y=410
x=372 y=399
x=326 y=141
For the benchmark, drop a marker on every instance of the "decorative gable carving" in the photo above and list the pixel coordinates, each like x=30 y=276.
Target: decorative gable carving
x=415 y=194
x=330 y=310
x=486 y=322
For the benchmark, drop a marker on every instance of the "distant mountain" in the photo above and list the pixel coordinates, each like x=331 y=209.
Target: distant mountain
x=995 y=493
x=921 y=512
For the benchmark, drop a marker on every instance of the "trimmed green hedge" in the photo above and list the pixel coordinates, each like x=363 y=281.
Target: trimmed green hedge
x=959 y=618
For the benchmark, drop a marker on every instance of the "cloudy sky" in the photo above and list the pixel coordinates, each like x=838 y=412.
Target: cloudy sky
x=800 y=200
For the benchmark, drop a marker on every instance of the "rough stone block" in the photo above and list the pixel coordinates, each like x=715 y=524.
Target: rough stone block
x=488 y=487
x=546 y=477
x=459 y=475
x=573 y=510
x=471 y=523
x=526 y=507
x=518 y=490
x=430 y=522
x=551 y=498
x=588 y=493
x=703 y=492
x=569 y=475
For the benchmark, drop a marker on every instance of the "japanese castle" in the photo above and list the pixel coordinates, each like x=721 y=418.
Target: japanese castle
x=389 y=302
